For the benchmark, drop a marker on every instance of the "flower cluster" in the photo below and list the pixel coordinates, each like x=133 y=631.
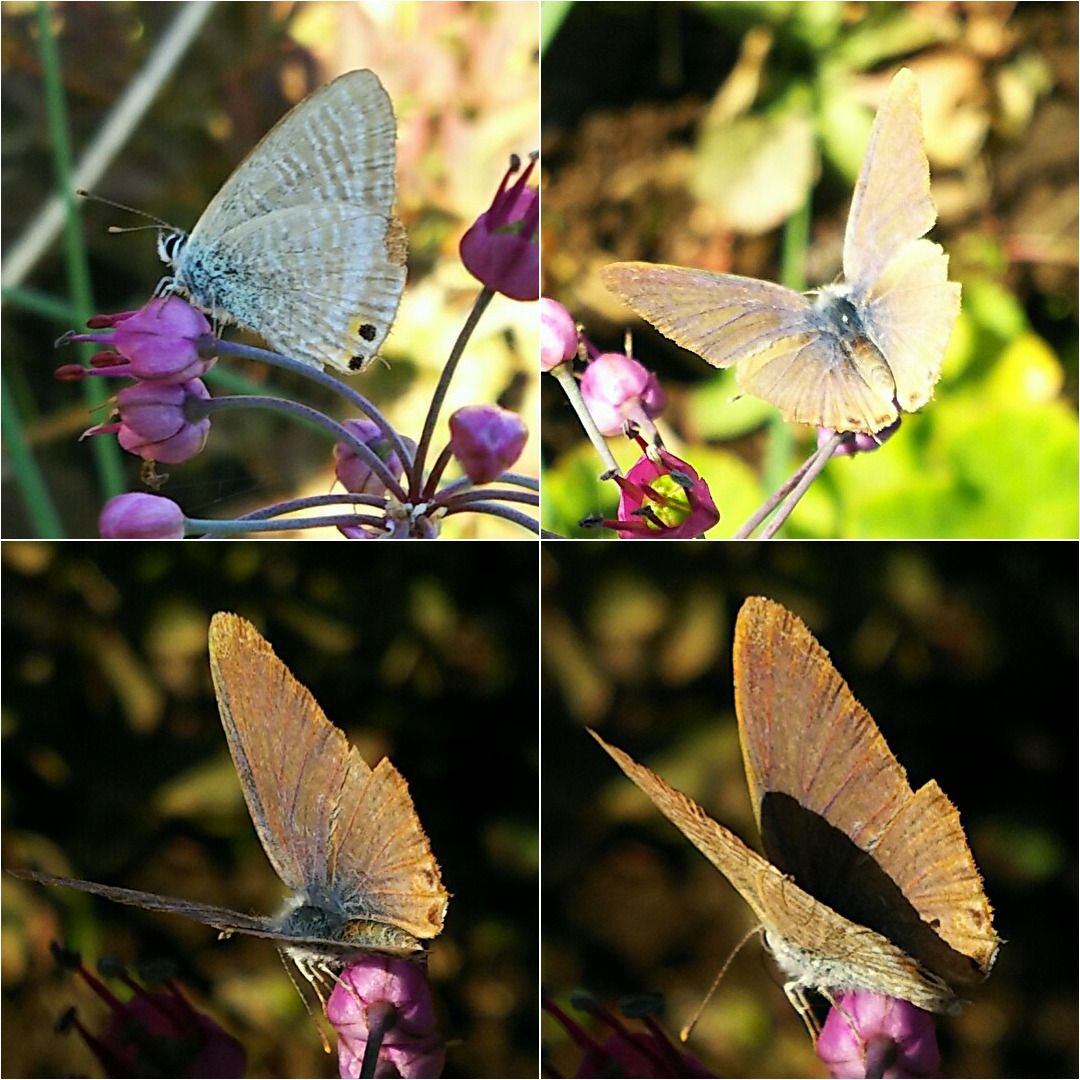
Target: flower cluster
x=390 y=491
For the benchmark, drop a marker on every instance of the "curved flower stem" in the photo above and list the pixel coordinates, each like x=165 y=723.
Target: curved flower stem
x=210 y=529
x=312 y=502
x=304 y=412
x=573 y=391
x=531 y=483
x=797 y=485
x=354 y=398
x=485 y=494
x=436 y=472
x=416 y=473
x=496 y=510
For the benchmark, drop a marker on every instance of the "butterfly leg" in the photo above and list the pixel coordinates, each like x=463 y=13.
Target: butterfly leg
x=797 y=997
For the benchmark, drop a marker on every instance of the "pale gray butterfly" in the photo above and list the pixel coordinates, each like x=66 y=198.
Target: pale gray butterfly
x=864 y=347
x=301 y=244
x=343 y=837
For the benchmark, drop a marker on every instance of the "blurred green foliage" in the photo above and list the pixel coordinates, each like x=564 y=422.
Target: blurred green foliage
x=700 y=129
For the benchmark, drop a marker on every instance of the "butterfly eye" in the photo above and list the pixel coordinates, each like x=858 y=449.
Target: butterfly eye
x=170 y=245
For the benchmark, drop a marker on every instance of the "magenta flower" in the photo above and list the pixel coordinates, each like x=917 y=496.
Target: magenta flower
x=663 y=499
x=156 y=1033
x=137 y=515
x=860 y=442
x=623 y=1051
x=354 y=472
x=502 y=247
x=878 y=1036
x=154 y=421
x=387 y=1001
x=558 y=334
x=486 y=440
x=619 y=391
x=161 y=341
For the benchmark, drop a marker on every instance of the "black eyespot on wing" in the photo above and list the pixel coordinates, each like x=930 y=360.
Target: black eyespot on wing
x=367 y=331
x=356 y=363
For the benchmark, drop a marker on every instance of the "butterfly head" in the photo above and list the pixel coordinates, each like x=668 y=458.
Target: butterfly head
x=169 y=246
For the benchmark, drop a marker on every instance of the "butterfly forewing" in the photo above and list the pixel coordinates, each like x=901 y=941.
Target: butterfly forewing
x=337 y=145
x=808 y=743
x=892 y=204
x=723 y=318
x=335 y=830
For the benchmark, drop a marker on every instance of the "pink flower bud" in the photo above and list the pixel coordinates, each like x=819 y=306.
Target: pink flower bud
x=617 y=390
x=486 y=440
x=353 y=471
x=137 y=515
x=860 y=442
x=558 y=334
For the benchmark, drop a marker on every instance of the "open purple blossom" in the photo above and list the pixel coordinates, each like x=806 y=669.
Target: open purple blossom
x=662 y=497
x=153 y=1033
x=153 y=421
x=874 y=1035
x=161 y=341
x=384 y=1003
x=617 y=1048
x=137 y=515
x=501 y=249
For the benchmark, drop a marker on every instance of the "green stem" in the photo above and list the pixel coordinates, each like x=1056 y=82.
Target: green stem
x=573 y=392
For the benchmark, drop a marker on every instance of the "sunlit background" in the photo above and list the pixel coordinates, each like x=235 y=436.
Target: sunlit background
x=464 y=82
x=115 y=769
x=965 y=655
x=728 y=137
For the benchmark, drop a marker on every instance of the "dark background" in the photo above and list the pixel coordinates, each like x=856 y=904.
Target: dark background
x=115 y=769
x=965 y=655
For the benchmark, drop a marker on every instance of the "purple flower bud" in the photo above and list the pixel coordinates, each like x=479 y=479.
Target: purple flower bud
x=137 y=515
x=860 y=442
x=160 y=341
x=617 y=390
x=502 y=248
x=387 y=996
x=558 y=334
x=353 y=472
x=878 y=1036
x=154 y=421
x=486 y=440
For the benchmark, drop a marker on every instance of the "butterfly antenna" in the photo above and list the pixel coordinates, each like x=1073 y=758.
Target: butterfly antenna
x=684 y=1034
x=82 y=193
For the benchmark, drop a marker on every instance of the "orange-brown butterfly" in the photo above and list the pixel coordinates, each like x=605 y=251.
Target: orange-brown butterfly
x=862 y=349
x=344 y=838
x=867 y=884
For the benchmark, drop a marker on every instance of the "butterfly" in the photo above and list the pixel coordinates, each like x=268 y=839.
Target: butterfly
x=866 y=884
x=344 y=838
x=301 y=244
x=852 y=356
